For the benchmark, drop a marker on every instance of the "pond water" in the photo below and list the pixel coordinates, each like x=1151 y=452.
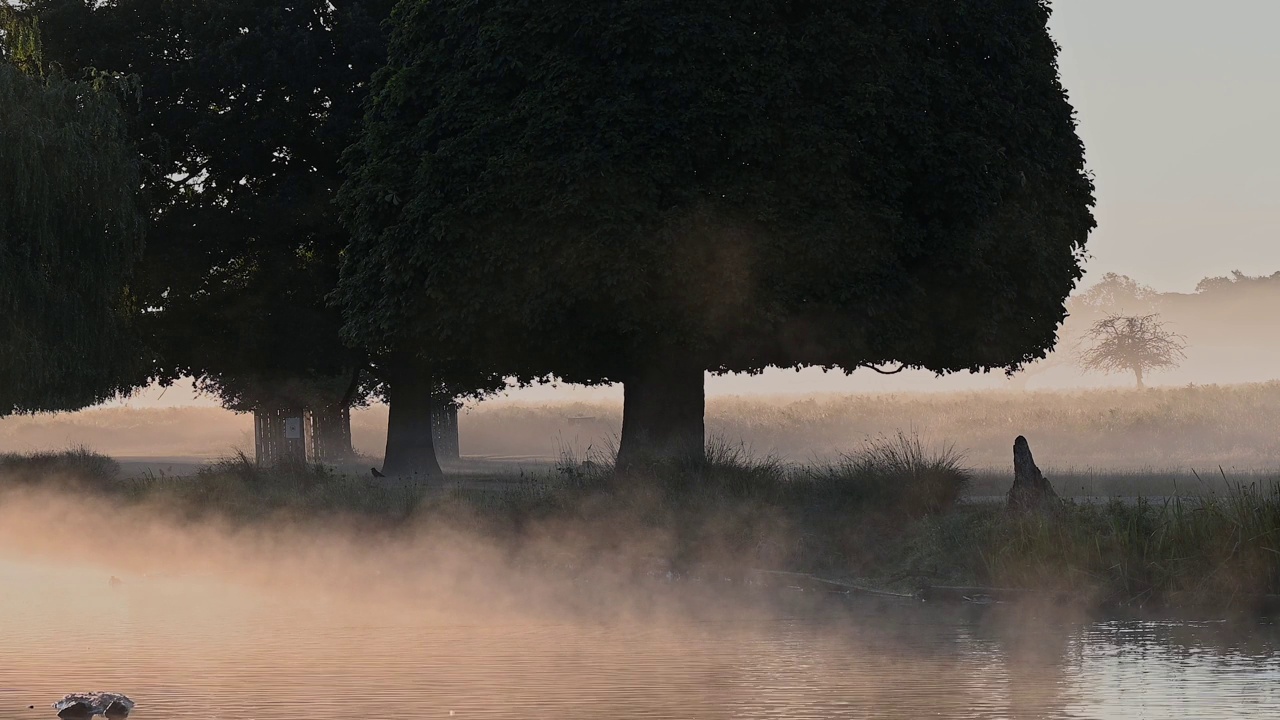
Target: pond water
x=195 y=648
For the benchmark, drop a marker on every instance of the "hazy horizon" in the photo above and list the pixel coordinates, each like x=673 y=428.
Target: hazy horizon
x=1177 y=102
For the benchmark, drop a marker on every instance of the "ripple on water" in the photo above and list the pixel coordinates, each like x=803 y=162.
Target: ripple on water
x=200 y=650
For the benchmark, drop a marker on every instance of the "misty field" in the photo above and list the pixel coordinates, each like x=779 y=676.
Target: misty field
x=1164 y=430
x=892 y=491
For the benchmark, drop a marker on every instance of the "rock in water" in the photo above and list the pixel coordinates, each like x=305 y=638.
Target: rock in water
x=84 y=705
x=1030 y=491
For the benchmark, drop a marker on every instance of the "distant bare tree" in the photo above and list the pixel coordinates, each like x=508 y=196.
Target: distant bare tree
x=1131 y=343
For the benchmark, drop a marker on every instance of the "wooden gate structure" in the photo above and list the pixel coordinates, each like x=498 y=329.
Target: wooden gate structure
x=303 y=436
x=330 y=431
x=281 y=436
x=444 y=431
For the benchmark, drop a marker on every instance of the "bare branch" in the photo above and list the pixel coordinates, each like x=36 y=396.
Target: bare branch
x=1130 y=343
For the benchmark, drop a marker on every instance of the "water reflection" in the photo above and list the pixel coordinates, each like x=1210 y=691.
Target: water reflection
x=203 y=650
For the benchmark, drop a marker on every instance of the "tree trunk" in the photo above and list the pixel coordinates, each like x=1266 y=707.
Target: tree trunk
x=446 y=429
x=1137 y=372
x=1031 y=490
x=410 y=450
x=332 y=434
x=662 y=415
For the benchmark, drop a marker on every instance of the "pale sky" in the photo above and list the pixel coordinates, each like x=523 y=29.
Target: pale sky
x=1179 y=108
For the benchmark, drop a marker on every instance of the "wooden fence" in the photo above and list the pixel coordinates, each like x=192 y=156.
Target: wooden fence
x=282 y=436
x=444 y=431
x=299 y=435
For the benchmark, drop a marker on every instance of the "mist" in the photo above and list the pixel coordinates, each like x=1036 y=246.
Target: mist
x=290 y=291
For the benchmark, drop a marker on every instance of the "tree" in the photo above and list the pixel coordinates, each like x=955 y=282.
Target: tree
x=1238 y=280
x=1113 y=294
x=70 y=233
x=640 y=192
x=247 y=107
x=1131 y=343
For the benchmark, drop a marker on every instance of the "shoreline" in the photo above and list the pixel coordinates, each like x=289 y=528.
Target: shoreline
x=896 y=523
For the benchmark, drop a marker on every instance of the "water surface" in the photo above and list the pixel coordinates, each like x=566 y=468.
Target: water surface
x=203 y=648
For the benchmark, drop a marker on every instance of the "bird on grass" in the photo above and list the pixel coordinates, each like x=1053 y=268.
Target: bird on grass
x=376 y=473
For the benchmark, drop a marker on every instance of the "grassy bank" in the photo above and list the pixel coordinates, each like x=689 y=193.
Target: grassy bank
x=888 y=516
x=1220 y=552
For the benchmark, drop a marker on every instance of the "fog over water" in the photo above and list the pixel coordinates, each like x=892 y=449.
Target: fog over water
x=290 y=623
x=338 y=616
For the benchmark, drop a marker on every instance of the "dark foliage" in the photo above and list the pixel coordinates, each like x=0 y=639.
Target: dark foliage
x=644 y=190
x=579 y=187
x=70 y=233
x=244 y=110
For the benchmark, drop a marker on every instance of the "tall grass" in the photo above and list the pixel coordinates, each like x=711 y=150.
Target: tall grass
x=1219 y=550
x=77 y=466
x=899 y=472
x=1150 y=483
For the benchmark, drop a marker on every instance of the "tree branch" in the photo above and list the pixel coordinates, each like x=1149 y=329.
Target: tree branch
x=895 y=371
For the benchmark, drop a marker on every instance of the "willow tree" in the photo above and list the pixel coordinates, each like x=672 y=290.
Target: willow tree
x=246 y=108
x=644 y=191
x=70 y=233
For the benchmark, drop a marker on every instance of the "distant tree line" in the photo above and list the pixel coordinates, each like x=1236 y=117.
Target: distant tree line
x=1120 y=324
x=422 y=201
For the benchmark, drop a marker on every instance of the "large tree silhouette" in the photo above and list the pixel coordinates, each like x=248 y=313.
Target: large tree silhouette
x=70 y=233
x=246 y=109
x=644 y=191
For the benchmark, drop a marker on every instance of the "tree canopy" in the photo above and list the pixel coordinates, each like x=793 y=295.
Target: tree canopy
x=245 y=110
x=605 y=191
x=70 y=234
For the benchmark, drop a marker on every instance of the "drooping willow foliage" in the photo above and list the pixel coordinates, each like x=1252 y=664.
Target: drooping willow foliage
x=70 y=231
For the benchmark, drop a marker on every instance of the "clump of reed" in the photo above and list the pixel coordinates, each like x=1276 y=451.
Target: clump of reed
x=75 y=466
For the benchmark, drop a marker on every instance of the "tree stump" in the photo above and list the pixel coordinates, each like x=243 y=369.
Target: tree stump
x=1030 y=491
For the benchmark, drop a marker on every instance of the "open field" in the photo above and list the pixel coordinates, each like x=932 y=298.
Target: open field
x=1162 y=430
